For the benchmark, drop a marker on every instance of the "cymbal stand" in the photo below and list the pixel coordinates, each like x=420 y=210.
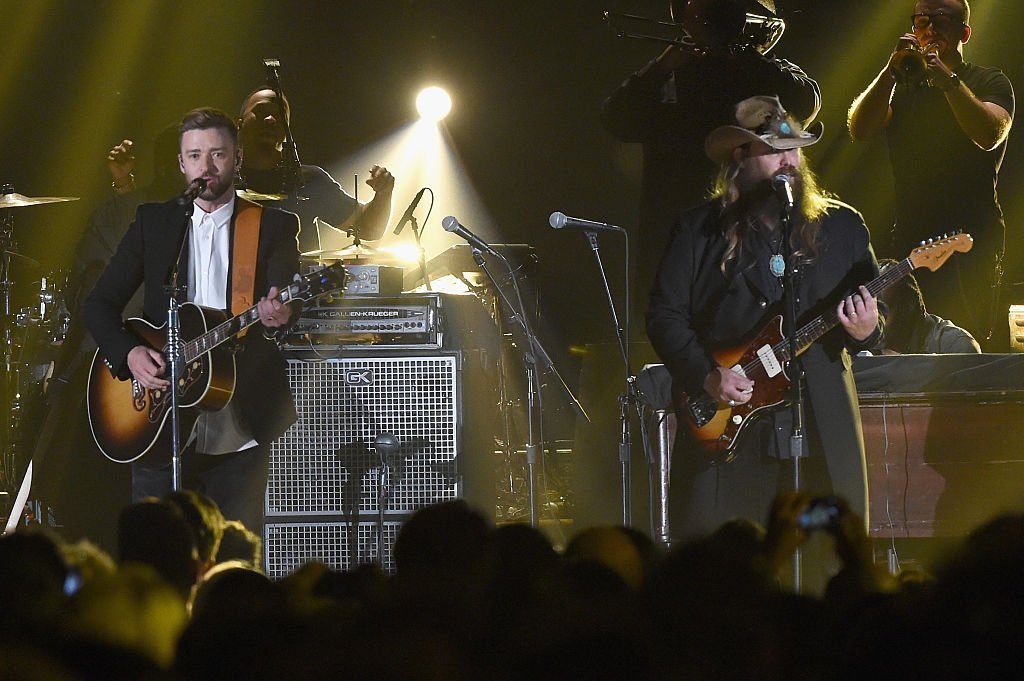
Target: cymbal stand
x=9 y=386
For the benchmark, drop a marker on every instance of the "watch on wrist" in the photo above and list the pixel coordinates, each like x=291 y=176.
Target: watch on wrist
x=950 y=83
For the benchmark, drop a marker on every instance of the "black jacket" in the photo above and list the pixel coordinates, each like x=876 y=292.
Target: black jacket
x=146 y=256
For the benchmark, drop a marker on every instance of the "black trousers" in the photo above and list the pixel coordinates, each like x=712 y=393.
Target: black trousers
x=237 y=482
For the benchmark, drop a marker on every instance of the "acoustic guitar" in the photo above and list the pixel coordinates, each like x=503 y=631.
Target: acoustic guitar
x=127 y=420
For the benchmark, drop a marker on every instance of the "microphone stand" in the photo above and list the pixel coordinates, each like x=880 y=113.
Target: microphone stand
x=416 y=234
x=289 y=152
x=532 y=355
x=174 y=347
x=791 y=281
x=632 y=394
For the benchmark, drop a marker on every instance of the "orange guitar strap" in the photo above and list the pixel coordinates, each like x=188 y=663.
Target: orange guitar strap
x=243 y=257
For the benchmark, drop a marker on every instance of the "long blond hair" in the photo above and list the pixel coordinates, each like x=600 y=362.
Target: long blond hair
x=812 y=203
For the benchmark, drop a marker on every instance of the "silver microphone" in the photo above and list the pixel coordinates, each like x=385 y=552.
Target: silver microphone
x=784 y=189
x=559 y=220
x=451 y=224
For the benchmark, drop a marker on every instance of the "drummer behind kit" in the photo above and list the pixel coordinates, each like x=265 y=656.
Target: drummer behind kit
x=25 y=335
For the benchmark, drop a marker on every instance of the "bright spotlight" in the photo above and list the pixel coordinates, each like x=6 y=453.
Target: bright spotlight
x=433 y=103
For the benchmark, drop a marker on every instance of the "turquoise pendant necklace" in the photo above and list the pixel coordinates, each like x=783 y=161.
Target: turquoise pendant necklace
x=777 y=265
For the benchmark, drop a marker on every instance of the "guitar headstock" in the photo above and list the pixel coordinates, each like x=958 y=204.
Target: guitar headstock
x=935 y=252
x=319 y=282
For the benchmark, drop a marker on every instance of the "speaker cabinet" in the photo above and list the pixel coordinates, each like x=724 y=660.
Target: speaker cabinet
x=323 y=491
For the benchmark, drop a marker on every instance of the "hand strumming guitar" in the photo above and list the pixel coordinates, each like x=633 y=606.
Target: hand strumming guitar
x=147 y=366
x=725 y=385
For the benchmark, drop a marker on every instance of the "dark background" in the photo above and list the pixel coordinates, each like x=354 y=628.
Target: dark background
x=527 y=79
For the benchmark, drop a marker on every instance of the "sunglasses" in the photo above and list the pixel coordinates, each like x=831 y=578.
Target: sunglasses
x=939 y=21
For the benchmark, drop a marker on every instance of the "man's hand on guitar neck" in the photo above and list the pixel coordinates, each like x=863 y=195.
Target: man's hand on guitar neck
x=725 y=385
x=147 y=366
x=858 y=314
x=273 y=313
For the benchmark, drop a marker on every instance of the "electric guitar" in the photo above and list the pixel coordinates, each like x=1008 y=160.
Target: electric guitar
x=127 y=420
x=716 y=426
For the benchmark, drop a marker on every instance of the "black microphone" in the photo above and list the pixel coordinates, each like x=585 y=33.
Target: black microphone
x=559 y=220
x=408 y=212
x=194 y=189
x=784 y=189
x=451 y=224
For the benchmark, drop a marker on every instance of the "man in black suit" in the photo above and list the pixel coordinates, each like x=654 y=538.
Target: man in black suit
x=231 y=446
x=717 y=285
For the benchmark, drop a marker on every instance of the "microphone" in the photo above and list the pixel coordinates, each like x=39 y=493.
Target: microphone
x=559 y=220
x=386 y=444
x=194 y=189
x=784 y=189
x=408 y=212
x=451 y=224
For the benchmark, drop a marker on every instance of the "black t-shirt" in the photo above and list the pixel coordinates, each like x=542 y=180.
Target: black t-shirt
x=943 y=180
x=320 y=197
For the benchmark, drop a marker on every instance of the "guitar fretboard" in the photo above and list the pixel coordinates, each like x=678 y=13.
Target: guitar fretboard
x=825 y=322
x=224 y=331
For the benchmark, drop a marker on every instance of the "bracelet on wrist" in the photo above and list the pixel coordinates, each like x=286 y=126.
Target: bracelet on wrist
x=125 y=183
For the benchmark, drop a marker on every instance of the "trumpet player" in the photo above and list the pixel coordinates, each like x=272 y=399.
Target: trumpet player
x=946 y=122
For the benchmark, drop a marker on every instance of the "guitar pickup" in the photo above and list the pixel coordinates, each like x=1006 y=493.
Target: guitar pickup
x=771 y=363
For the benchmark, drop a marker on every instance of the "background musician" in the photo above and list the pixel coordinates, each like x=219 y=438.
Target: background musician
x=947 y=131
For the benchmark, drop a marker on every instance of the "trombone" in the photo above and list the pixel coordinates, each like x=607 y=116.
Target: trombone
x=706 y=26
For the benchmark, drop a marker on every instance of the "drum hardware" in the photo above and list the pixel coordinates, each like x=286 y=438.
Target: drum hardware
x=259 y=197
x=21 y=386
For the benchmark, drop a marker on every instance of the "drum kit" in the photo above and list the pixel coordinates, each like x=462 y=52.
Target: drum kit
x=25 y=335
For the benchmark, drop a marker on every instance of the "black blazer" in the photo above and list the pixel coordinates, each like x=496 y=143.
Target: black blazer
x=146 y=256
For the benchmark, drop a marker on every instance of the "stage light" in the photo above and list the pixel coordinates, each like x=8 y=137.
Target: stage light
x=433 y=103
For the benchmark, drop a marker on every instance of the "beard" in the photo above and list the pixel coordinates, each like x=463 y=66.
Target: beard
x=762 y=197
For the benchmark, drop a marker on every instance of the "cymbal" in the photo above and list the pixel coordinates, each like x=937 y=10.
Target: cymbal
x=14 y=200
x=258 y=196
x=360 y=252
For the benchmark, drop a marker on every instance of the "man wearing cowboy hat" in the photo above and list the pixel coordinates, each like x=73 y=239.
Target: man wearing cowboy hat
x=720 y=282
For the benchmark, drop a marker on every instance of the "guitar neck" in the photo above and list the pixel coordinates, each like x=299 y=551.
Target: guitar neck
x=825 y=322
x=226 y=330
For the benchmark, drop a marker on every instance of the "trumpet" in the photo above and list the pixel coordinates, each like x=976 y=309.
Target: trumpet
x=910 y=65
x=706 y=26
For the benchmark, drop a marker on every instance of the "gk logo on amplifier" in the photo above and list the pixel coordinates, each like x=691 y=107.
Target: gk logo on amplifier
x=359 y=377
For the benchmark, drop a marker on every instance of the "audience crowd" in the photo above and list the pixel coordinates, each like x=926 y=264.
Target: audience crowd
x=186 y=601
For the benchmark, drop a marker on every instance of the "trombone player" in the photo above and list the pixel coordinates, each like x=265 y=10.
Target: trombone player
x=946 y=122
x=674 y=101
